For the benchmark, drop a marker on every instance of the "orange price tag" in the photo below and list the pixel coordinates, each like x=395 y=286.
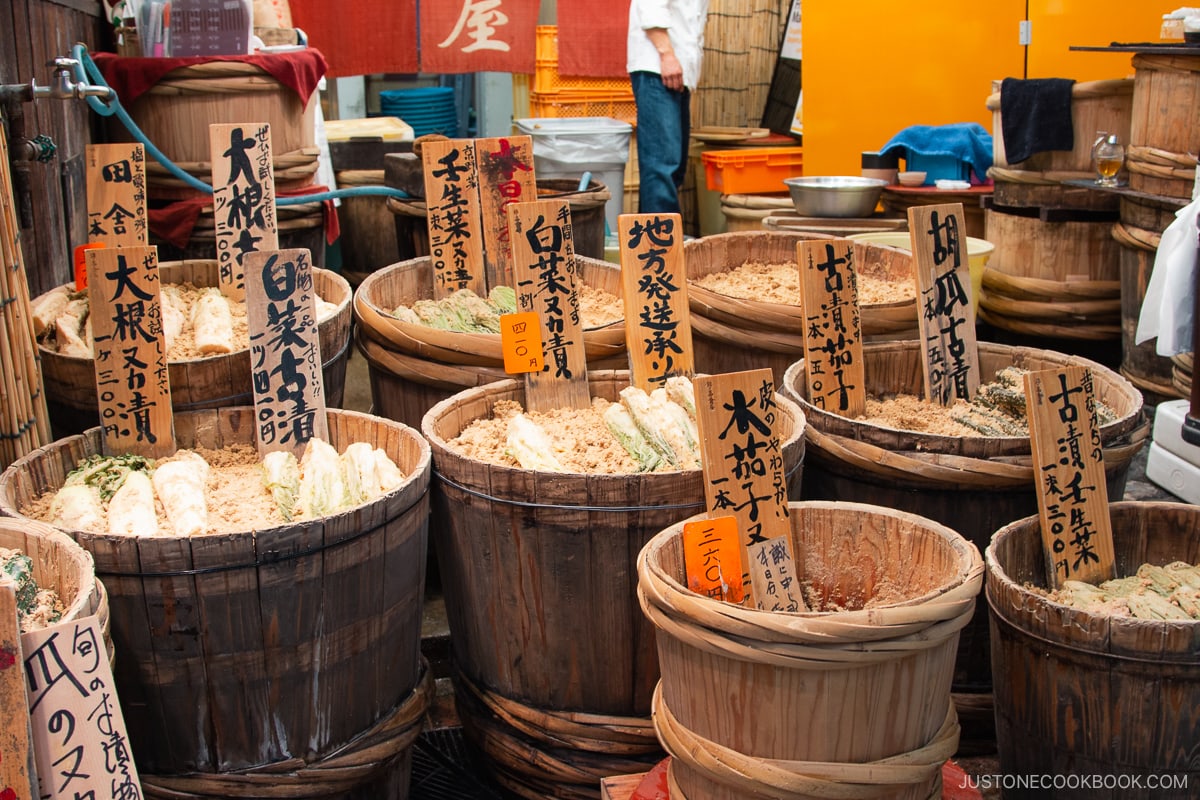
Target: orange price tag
x=81 y=263
x=521 y=341
x=712 y=558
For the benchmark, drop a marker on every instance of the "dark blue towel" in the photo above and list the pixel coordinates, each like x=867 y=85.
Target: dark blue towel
x=1035 y=116
x=967 y=141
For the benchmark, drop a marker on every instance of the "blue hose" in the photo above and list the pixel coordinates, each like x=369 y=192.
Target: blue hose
x=88 y=72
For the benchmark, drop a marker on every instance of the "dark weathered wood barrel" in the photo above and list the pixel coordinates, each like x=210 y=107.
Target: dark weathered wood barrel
x=1078 y=695
x=282 y=662
x=555 y=662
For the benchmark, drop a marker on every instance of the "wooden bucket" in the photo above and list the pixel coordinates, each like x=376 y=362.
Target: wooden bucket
x=974 y=484
x=731 y=334
x=1140 y=363
x=1095 y=106
x=283 y=662
x=300 y=227
x=176 y=112
x=556 y=666
x=213 y=382
x=763 y=704
x=747 y=212
x=368 y=239
x=1102 y=697
x=291 y=171
x=1163 y=136
x=1181 y=373
x=587 y=217
x=1051 y=279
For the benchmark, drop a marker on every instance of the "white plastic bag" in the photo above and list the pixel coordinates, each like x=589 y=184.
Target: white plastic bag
x=1171 y=294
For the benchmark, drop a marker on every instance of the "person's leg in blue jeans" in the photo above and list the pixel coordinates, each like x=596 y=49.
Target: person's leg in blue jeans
x=662 y=142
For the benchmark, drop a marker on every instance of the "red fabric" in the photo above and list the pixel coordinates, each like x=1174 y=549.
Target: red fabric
x=589 y=44
x=653 y=785
x=173 y=223
x=360 y=38
x=955 y=785
x=131 y=77
x=478 y=36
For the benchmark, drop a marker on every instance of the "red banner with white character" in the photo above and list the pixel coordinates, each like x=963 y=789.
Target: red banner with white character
x=478 y=35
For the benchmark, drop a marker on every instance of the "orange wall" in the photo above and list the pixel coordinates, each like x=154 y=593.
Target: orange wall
x=872 y=68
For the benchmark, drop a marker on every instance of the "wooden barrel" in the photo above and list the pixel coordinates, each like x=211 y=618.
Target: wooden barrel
x=1053 y=280
x=764 y=704
x=282 y=662
x=368 y=238
x=973 y=484
x=300 y=227
x=747 y=212
x=587 y=217
x=731 y=334
x=292 y=172
x=1140 y=363
x=1082 y=695
x=556 y=666
x=1181 y=373
x=212 y=382
x=1163 y=136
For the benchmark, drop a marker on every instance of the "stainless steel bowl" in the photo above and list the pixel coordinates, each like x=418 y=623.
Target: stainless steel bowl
x=835 y=196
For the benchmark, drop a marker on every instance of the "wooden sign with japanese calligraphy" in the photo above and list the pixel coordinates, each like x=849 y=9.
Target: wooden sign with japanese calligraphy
x=243 y=199
x=658 y=324
x=1069 y=466
x=546 y=278
x=130 y=355
x=79 y=735
x=17 y=775
x=950 y=355
x=833 y=352
x=742 y=457
x=505 y=177
x=116 y=194
x=453 y=219
x=712 y=558
x=285 y=351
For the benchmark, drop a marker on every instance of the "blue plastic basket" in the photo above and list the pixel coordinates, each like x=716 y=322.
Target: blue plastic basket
x=427 y=109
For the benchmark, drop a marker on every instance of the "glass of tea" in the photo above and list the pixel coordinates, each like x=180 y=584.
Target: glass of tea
x=1108 y=156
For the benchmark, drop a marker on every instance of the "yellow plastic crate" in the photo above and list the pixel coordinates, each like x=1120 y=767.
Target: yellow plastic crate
x=547 y=80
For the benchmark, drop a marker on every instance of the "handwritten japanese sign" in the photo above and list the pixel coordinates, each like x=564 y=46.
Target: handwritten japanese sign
x=1069 y=465
x=454 y=222
x=712 y=558
x=116 y=194
x=243 y=199
x=17 y=774
x=130 y=356
x=505 y=177
x=742 y=456
x=79 y=734
x=521 y=343
x=285 y=351
x=547 y=278
x=658 y=327
x=946 y=319
x=833 y=359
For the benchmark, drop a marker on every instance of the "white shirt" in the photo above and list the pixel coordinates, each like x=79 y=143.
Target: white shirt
x=684 y=23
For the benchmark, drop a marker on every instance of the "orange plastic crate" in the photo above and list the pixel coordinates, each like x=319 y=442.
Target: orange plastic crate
x=753 y=170
x=583 y=104
x=546 y=78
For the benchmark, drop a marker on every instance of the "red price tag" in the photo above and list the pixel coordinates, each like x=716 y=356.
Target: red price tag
x=80 y=255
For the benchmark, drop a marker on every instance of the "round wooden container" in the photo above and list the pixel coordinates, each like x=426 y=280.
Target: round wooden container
x=1163 y=136
x=213 y=382
x=282 y=662
x=556 y=666
x=1089 y=695
x=368 y=237
x=300 y=227
x=852 y=703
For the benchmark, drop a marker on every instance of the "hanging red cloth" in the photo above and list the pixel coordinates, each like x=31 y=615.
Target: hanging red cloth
x=478 y=36
x=589 y=44
x=360 y=38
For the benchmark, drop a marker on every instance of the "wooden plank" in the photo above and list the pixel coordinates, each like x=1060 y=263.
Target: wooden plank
x=79 y=735
x=505 y=177
x=116 y=194
x=742 y=460
x=950 y=355
x=658 y=323
x=453 y=218
x=243 y=199
x=1068 y=463
x=130 y=355
x=619 y=787
x=547 y=280
x=833 y=353
x=17 y=776
x=285 y=351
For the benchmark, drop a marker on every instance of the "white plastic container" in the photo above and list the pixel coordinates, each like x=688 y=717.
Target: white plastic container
x=567 y=147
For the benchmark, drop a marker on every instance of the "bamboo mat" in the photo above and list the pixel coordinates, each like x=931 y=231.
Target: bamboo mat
x=24 y=420
x=741 y=45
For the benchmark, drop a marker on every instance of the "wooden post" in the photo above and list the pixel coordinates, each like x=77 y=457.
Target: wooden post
x=547 y=279
x=243 y=199
x=505 y=177
x=946 y=320
x=833 y=356
x=453 y=217
x=18 y=779
x=658 y=323
x=1068 y=463
x=116 y=195
x=285 y=351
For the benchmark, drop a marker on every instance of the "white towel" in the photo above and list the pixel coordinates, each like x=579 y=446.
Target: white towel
x=1170 y=295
